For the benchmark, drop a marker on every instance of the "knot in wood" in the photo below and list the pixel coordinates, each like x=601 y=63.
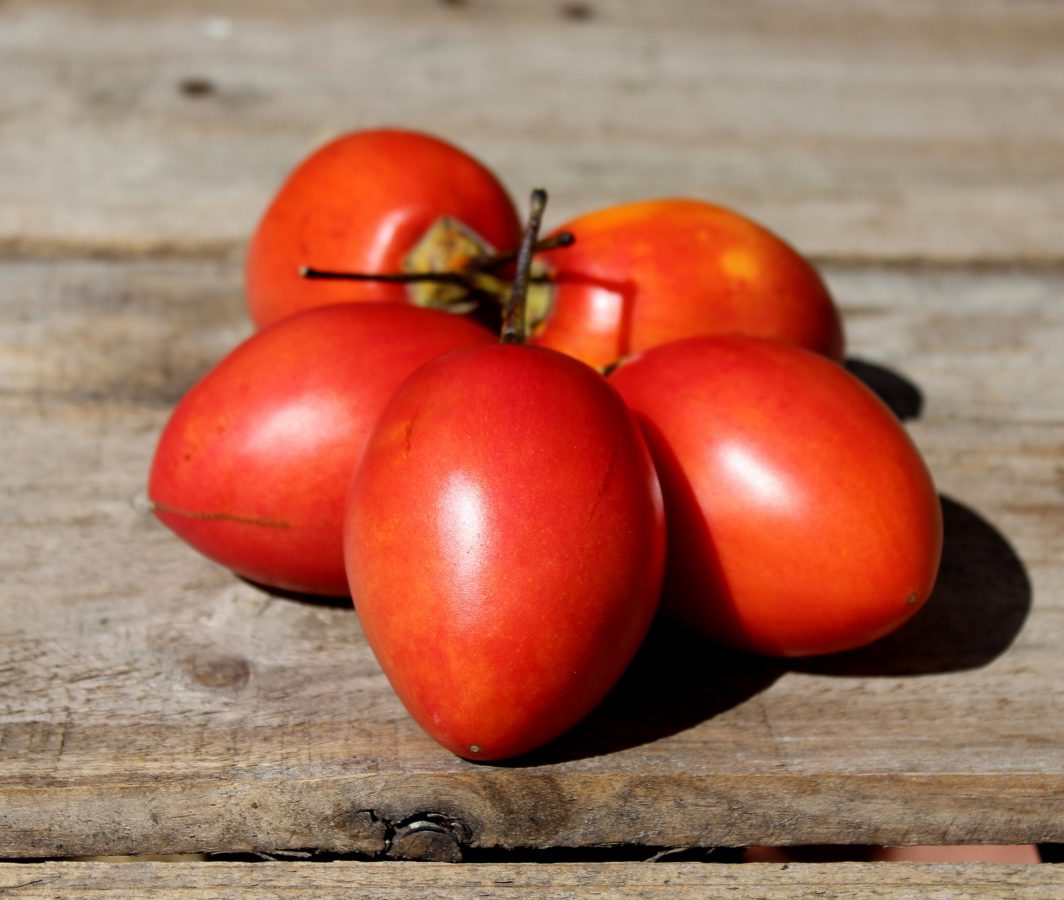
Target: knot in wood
x=219 y=672
x=428 y=838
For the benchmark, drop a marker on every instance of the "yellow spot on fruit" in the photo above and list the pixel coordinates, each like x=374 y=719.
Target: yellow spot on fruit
x=738 y=264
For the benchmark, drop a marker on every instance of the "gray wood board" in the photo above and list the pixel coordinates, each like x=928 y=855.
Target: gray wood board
x=857 y=130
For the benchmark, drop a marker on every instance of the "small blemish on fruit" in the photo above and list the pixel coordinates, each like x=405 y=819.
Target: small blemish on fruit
x=473 y=748
x=911 y=599
x=218 y=516
x=408 y=437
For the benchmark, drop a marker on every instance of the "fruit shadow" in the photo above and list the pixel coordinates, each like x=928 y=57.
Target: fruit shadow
x=338 y=601
x=904 y=398
x=678 y=680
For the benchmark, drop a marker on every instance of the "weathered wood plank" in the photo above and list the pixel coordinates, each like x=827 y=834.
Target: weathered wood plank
x=405 y=881
x=869 y=130
x=150 y=702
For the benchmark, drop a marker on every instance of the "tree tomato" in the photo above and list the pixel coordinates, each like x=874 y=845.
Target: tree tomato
x=252 y=467
x=360 y=204
x=802 y=520
x=642 y=274
x=505 y=545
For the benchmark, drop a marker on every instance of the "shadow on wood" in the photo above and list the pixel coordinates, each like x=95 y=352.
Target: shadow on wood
x=340 y=601
x=676 y=681
x=903 y=397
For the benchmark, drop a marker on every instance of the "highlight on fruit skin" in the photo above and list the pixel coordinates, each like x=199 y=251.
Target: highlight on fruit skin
x=253 y=465
x=646 y=273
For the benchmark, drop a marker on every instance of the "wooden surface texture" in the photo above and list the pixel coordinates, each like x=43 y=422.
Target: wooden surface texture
x=406 y=881
x=150 y=702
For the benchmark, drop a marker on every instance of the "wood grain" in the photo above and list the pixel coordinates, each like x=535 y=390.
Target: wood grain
x=915 y=131
x=150 y=702
x=861 y=881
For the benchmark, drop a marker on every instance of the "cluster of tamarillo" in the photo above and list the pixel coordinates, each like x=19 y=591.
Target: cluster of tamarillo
x=512 y=450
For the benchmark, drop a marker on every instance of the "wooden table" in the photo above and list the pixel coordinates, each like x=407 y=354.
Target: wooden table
x=151 y=703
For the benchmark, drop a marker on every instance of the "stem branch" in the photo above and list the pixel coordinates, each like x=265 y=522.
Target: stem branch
x=561 y=239
x=513 y=322
x=389 y=277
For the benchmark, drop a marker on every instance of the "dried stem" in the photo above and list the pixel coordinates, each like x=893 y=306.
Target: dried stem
x=513 y=321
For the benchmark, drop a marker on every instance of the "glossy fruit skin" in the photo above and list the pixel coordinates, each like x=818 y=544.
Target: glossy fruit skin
x=802 y=519
x=359 y=204
x=643 y=274
x=253 y=466
x=504 y=545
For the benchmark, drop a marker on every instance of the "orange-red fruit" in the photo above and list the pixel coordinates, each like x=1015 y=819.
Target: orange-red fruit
x=642 y=274
x=802 y=519
x=253 y=466
x=505 y=546
x=360 y=204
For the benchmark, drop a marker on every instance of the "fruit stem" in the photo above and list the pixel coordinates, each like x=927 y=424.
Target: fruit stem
x=561 y=239
x=513 y=320
x=391 y=277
